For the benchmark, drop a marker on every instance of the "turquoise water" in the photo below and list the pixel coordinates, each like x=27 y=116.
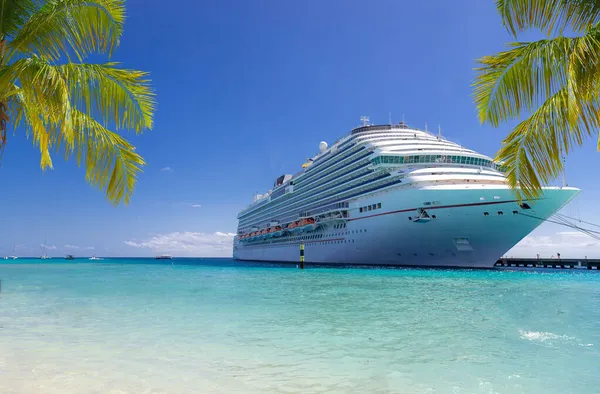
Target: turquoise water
x=118 y=327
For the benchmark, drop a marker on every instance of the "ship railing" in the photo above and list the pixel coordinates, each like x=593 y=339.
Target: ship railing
x=334 y=216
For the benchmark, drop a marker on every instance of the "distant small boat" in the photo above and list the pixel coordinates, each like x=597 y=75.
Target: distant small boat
x=69 y=257
x=95 y=258
x=164 y=257
x=13 y=257
x=45 y=256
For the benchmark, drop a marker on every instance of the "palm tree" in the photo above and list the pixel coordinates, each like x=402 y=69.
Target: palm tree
x=64 y=104
x=554 y=83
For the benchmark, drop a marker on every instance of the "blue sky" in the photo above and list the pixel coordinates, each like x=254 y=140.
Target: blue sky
x=246 y=91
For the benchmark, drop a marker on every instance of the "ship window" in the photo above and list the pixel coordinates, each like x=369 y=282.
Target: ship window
x=486 y=214
x=515 y=212
x=500 y=213
x=378 y=205
x=433 y=216
x=369 y=207
x=525 y=206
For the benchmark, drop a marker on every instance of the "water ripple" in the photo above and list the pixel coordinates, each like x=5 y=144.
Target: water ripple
x=217 y=327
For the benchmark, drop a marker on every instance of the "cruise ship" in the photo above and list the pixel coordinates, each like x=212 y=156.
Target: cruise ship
x=392 y=195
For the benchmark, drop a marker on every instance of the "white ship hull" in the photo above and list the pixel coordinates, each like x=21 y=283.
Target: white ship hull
x=460 y=235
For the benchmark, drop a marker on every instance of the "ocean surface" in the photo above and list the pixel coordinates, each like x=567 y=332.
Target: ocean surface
x=214 y=326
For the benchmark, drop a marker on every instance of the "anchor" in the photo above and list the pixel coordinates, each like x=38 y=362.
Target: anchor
x=422 y=216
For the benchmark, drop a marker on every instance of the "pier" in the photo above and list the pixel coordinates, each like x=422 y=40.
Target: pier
x=557 y=263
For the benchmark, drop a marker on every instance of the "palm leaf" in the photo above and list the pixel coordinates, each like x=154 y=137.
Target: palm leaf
x=27 y=110
x=61 y=26
x=111 y=162
x=548 y=15
x=44 y=86
x=521 y=78
x=120 y=96
x=13 y=13
x=531 y=154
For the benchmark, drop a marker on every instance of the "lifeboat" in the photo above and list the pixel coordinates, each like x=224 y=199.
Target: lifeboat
x=308 y=224
x=267 y=233
x=294 y=227
x=276 y=231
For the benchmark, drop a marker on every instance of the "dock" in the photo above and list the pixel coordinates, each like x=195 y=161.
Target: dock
x=590 y=264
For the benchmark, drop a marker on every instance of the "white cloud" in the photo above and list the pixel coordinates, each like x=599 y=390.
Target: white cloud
x=79 y=247
x=49 y=247
x=191 y=205
x=570 y=244
x=166 y=169
x=188 y=243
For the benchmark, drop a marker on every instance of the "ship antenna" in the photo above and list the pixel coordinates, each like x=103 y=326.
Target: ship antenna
x=365 y=120
x=425 y=126
x=390 y=119
x=439 y=131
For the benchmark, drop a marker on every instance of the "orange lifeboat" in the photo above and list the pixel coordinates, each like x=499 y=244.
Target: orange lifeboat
x=276 y=231
x=308 y=224
x=294 y=227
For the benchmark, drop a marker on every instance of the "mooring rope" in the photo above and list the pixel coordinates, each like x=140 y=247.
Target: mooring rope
x=562 y=221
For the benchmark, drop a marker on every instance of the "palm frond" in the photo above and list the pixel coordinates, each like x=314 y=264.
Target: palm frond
x=44 y=86
x=532 y=152
x=28 y=111
x=521 y=78
x=119 y=96
x=548 y=15
x=111 y=162
x=13 y=13
x=80 y=26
